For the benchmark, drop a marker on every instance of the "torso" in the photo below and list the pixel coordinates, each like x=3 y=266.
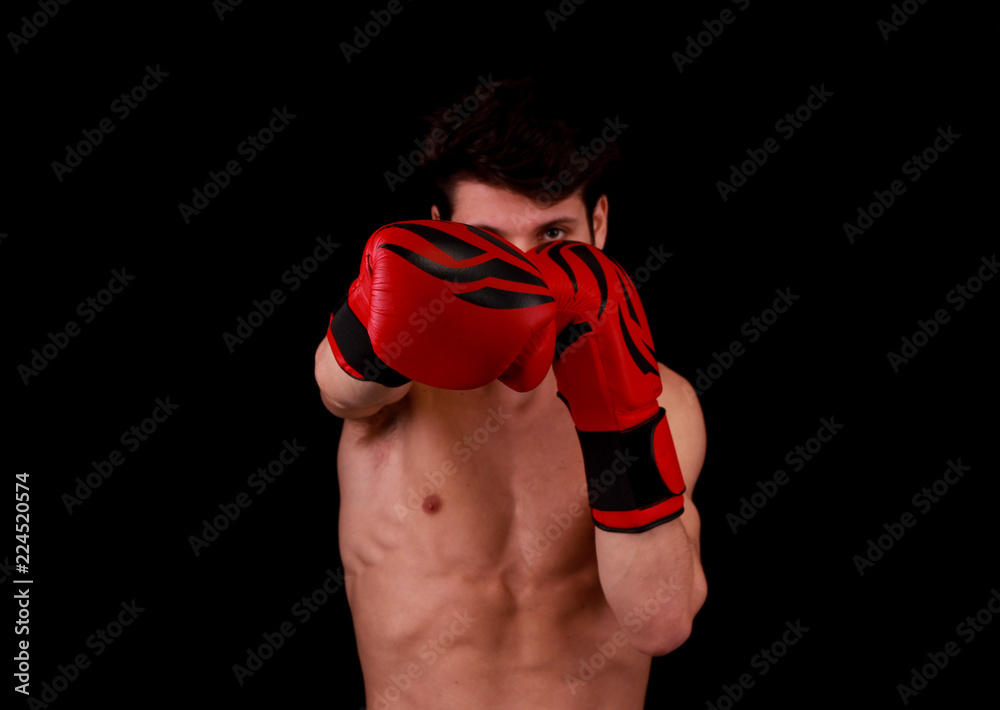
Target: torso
x=466 y=536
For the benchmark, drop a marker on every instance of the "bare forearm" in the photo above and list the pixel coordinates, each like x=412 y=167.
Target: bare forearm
x=345 y=396
x=654 y=581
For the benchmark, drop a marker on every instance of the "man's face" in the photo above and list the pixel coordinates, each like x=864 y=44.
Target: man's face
x=521 y=221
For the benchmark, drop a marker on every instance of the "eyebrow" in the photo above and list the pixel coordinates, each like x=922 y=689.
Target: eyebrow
x=568 y=221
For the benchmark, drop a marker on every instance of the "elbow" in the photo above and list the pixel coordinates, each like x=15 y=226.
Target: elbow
x=699 y=594
x=667 y=631
x=664 y=636
x=333 y=407
x=321 y=373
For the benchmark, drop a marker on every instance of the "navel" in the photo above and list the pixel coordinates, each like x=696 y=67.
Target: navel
x=432 y=504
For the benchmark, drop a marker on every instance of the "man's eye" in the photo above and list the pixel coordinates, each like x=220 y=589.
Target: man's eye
x=554 y=233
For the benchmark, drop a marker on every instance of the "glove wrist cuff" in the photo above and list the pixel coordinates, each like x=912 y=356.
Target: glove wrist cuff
x=353 y=349
x=633 y=477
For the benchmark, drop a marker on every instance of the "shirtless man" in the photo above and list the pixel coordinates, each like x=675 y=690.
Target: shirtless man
x=475 y=573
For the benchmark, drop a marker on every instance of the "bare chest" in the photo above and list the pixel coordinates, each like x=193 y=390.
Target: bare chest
x=490 y=480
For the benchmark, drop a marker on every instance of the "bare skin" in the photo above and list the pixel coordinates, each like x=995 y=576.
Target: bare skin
x=475 y=575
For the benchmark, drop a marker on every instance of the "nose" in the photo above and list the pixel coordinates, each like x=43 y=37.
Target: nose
x=522 y=242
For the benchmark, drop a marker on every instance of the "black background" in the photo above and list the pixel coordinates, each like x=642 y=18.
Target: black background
x=325 y=175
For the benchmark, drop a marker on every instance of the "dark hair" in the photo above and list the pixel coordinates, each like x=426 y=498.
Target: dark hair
x=533 y=139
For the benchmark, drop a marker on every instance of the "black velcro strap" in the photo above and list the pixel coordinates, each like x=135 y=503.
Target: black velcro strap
x=356 y=347
x=621 y=467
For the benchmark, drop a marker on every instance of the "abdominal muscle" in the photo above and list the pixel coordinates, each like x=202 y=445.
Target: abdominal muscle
x=468 y=547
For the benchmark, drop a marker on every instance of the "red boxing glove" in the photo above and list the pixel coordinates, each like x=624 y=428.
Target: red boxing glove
x=447 y=305
x=607 y=375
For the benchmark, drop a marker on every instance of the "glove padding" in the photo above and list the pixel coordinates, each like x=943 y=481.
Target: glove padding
x=447 y=305
x=607 y=375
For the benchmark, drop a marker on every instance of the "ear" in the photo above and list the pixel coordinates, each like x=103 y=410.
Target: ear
x=435 y=212
x=600 y=221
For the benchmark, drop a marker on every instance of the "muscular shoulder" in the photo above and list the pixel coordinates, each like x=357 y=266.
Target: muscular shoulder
x=687 y=423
